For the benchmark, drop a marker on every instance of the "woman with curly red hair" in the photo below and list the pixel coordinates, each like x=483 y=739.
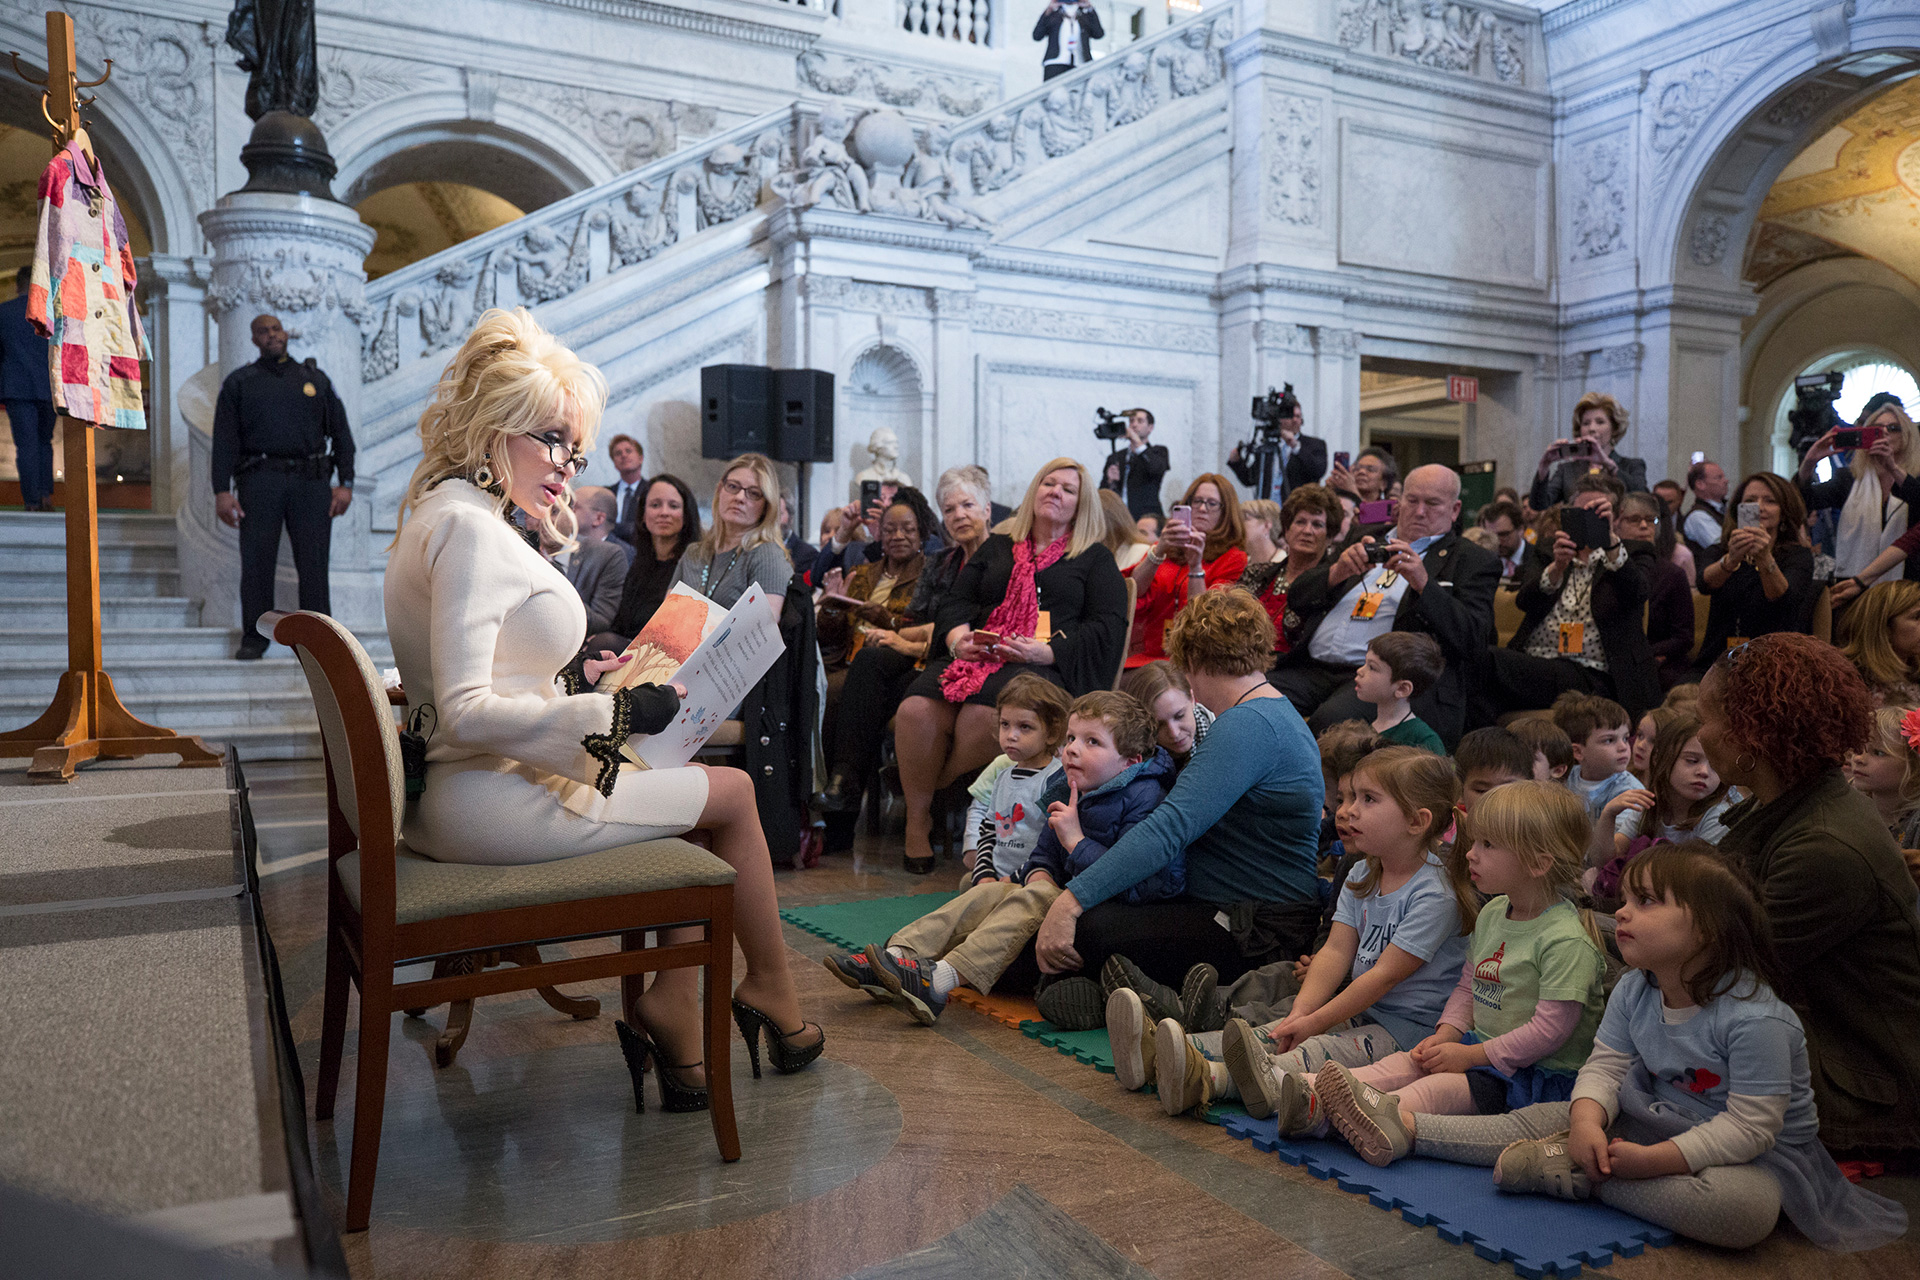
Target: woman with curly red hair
x=1779 y=714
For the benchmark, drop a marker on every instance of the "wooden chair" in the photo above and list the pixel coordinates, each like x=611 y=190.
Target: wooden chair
x=388 y=907
x=1126 y=641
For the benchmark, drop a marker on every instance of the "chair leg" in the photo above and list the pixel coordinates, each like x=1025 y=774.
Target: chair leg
x=459 y=1022
x=333 y=1024
x=370 y=1096
x=719 y=1003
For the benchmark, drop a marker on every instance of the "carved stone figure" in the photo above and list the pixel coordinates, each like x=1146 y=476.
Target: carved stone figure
x=1436 y=33
x=447 y=312
x=544 y=267
x=278 y=52
x=1063 y=124
x=884 y=447
x=648 y=224
x=825 y=173
x=993 y=156
x=930 y=176
x=728 y=187
x=1192 y=65
x=1132 y=95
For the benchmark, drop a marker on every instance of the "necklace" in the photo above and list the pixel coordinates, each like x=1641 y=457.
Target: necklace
x=708 y=569
x=1249 y=693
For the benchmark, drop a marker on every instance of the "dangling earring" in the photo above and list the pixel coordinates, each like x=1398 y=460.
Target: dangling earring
x=483 y=478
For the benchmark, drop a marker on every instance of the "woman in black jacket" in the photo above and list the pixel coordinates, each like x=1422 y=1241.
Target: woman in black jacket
x=1041 y=595
x=669 y=523
x=1669 y=587
x=1760 y=578
x=1599 y=423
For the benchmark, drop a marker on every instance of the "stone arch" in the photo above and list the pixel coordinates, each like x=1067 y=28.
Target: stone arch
x=518 y=154
x=885 y=387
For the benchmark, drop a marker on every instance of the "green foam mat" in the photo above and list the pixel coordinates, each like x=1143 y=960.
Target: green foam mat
x=852 y=925
x=1090 y=1047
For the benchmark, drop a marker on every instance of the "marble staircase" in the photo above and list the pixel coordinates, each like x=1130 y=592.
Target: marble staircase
x=167 y=668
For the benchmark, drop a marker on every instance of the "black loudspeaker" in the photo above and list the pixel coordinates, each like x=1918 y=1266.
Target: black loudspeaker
x=802 y=415
x=736 y=409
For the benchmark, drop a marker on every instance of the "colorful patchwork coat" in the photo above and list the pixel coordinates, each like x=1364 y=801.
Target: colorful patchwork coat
x=82 y=296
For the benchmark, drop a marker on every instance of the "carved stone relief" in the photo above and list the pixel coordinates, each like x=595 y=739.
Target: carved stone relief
x=351 y=81
x=1624 y=358
x=849 y=77
x=866 y=295
x=1600 y=208
x=629 y=131
x=1278 y=335
x=897 y=171
x=1441 y=34
x=1293 y=163
x=1192 y=63
x=167 y=68
x=1709 y=243
x=1341 y=344
x=1677 y=100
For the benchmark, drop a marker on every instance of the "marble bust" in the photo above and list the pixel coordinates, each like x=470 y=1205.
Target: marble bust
x=884 y=447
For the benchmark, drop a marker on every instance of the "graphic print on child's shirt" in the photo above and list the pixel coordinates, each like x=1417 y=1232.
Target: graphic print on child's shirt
x=1486 y=979
x=1004 y=824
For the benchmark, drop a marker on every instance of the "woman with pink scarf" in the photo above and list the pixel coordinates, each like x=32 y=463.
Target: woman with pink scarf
x=1041 y=595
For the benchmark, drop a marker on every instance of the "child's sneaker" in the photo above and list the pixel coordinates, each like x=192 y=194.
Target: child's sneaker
x=1252 y=1069
x=1201 y=1008
x=1072 y=1004
x=1541 y=1166
x=908 y=980
x=851 y=967
x=1181 y=1072
x=1298 y=1112
x=1161 y=1000
x=1365 y=1117
x=1131 y=1033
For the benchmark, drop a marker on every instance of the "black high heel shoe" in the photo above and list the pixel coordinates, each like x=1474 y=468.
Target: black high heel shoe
x=787 y=1057
x=636 y=1047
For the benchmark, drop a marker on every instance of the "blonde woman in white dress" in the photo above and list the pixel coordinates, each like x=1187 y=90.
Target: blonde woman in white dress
x=523 y=757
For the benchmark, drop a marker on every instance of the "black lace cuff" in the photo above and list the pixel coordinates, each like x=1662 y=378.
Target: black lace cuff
x=573 y=676
x=642 y=710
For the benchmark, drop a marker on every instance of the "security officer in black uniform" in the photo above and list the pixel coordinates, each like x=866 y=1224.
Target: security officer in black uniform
x=272 y=468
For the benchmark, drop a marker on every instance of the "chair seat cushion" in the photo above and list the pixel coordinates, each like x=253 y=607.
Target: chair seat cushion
x=429 y=890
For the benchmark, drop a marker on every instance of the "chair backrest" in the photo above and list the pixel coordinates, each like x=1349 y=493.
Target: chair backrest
x=362 y=747
x=1126 y=641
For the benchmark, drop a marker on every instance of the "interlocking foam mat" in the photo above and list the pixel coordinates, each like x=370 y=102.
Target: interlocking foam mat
x=1008 y=1011
x=1537 y=1235
x=1090 y=1047
x=852 y=925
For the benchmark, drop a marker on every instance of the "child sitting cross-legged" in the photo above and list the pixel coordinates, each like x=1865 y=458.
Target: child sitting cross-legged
x=1688 y=801
x=1397 y=933
x=1602 y=738
x=1695 y=1110
x=1488 y=758
x=1552 y=749
x=1400 y=665
x=1006 y=816
x=1521 y=1019
x=1114 y=776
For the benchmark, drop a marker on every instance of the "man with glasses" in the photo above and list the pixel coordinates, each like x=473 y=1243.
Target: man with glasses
x=1415 y=575
x=280 y=435
x=1584 y=628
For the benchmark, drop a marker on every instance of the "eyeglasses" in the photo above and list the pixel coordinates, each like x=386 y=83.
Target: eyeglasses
x=563 y=457
x=1642 y=518
x=733 y=489
x=1205 y=504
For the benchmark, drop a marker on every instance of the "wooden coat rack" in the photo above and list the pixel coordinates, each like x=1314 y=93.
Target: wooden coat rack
x=86 y=720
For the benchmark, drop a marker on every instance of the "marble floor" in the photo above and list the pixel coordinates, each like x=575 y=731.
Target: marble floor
x=962 y=1151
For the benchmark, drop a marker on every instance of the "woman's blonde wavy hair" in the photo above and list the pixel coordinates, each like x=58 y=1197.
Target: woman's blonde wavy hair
x=768 y=529
x=1909 y=454
x=1869 y=631
x=510 y=377
x=1089 y=517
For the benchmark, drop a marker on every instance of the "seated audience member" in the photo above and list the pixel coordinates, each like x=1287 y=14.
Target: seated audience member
x=1115 y=776
x=1778 y=717
x=1599 y=423
x=1695 y=1111
x=1481 y=538
x=1433 y=582
x=1400 y=665
x=1284 y=543
x=1760 y=578
x=1507 y=493
x=669 y=523
x=743 y=547
x=1047 y=563
x=1371 y=478
x=1881 y=635
x=1503 y=520
x=1672 y=494
x=1379 y=984
x=1644 y=733
x=1180 y=723
x=1708 y=485
x=1583 y=630
x=880 y=674
x=594 y=509
x=1148 y=524
x=594 y=566
x=1245 y=812
x=1006 y=816
x=1683 y=697
x=853 y=541
x=876 y=594
x=1521 y=1018
x=1669 y=627
x=1488 y=758
x=799 y=550
x=1602 y=738
x=1190 y=558
x=1876 y=492
x=1349 y=507
x=1886 y=770
x=1552 y=748
x=1685 y=801
x=1124 y=538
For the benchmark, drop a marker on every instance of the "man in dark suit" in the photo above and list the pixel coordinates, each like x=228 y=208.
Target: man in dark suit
x=597 y=567
x=630 y=491
x=1303 y=460
x=1433 y=581
x=28 y=396
x=1067 y=26
x=1135 y=470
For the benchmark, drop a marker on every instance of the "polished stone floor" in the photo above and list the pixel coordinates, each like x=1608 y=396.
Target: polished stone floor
x=962 y=1152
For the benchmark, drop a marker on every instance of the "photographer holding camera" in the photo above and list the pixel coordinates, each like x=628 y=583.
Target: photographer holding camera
x=1876 y=490
x=1299 y=459
x=1135 y=471
x=1599 y=422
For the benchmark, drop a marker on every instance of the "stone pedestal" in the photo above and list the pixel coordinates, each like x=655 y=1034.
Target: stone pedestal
x=297 y=257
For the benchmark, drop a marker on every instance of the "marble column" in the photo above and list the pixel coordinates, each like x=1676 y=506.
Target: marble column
x=297 y=257
x=173 y=296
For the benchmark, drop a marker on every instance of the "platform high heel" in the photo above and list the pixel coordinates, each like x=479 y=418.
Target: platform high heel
x=636 y=1047
x=787 y=1057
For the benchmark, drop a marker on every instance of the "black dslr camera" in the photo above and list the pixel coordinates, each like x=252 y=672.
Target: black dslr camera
x=1111 y=427
x=1813 y=415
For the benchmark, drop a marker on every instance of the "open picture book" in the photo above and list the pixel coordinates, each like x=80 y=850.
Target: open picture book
x=717 y=654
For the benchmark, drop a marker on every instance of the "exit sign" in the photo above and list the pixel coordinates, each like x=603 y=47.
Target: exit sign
x=1462 y=389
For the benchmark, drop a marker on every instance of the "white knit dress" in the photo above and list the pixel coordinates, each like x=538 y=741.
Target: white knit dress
x=518 y=769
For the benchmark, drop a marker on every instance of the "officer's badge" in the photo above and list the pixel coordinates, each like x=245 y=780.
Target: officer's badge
x=310 y=389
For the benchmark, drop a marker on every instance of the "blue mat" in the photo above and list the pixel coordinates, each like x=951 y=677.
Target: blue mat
x=1538 y=1235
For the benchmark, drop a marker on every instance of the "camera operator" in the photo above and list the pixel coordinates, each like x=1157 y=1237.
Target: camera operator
x=1875 y=492
x=1067 y=26
x=1599 y=423
x=1135 y=472
x=1302 y=460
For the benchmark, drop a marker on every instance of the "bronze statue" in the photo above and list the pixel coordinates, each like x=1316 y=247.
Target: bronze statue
x=277 y=48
